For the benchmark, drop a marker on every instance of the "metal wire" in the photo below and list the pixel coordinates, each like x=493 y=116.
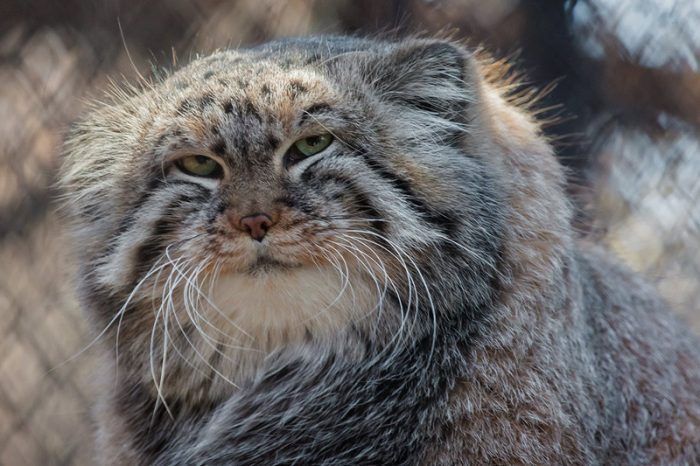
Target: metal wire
x=635 y=159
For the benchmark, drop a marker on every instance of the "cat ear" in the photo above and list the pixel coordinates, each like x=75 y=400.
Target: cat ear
x=427 y=75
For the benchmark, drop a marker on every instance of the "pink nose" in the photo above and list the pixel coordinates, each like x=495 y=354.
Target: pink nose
x=256 y=225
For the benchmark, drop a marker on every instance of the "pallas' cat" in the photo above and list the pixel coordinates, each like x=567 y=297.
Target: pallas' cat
x=346 y=251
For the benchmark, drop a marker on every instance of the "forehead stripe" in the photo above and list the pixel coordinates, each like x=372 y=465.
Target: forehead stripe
x=435 y=217
x=314 y=109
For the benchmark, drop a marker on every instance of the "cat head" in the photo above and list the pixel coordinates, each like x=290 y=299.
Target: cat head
x=325 y=175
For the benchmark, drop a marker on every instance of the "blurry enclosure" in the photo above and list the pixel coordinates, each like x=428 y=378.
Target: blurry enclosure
x=628 y=81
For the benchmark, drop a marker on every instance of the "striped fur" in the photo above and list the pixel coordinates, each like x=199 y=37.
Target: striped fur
x=421 y=298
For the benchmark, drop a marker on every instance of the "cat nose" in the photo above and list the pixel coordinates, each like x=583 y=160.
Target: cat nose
x=256 y=225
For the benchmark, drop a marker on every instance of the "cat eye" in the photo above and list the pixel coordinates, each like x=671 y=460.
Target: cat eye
x=313 y=144
x=200 y=165
x=306 y=147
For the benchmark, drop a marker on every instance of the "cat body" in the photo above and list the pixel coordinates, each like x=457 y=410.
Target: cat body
x=413 y=293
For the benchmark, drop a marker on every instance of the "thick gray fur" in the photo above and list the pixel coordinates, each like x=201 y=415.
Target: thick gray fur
x=524 y=344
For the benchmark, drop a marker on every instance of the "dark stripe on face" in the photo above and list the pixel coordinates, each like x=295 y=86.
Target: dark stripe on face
x=185 y=106
x=295 y=199
x=155 y=245
x=365 y=206
x=442 y=220
x=219 y=147
x=102 y=299
x=297 y=88
x=128 y=220
x=155 y=183
x=452 y=110
x=206 y=100
x=352 y=195
x=449 y=137
x=271 y=143
x=313 y=110
x=249 y=109
x=161 y=234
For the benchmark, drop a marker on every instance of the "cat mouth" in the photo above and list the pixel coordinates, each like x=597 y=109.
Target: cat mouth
x=264 y=263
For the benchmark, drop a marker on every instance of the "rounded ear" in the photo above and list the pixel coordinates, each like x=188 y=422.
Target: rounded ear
x=428 y=75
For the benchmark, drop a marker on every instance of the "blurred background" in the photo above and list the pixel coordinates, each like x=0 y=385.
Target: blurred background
x=626 y=104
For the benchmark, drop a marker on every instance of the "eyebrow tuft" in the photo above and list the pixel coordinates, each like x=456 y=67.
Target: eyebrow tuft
x=313 y=109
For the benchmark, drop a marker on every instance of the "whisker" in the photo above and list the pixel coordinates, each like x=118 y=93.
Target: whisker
x=411 y=290
x=194 y=348
x=421 y=277
x=191 y=306
x=344 y=274
x=352 y=250
x=158 y=384
x=345 y=279
x=114 y=319
x=216 y=308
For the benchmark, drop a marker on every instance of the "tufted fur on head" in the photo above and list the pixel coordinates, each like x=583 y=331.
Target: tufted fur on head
x=418 y=296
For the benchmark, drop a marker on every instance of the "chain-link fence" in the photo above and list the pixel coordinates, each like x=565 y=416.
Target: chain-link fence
x=632 y=148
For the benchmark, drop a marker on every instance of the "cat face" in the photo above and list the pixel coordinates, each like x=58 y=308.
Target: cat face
x=268 y=166
x=302 y=177
x=281 y=153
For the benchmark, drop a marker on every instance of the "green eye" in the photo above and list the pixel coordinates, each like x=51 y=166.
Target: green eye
x=200 y=165
x=313 y=144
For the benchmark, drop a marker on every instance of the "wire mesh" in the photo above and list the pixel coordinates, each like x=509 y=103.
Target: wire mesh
x=633 y=149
